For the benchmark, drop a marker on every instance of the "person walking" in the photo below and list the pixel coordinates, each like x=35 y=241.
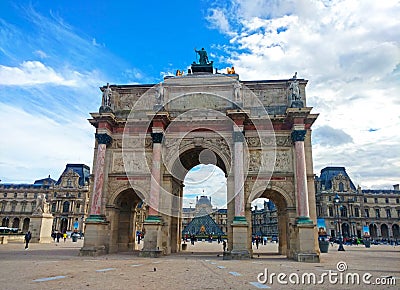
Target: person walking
x=224 y=245
x=28 y=237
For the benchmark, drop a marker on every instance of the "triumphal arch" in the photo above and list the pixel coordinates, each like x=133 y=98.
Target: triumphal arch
x=149 y=136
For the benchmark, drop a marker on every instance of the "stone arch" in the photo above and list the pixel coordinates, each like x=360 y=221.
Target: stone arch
x=384 y=231
x=188 y=158
x=16 y=222
x=120 y=211
x=396 y=231
x=373 y=230
x=345 y=230
x=25 y=225
x=174 y=162
x=116 y=191
x=286 y=213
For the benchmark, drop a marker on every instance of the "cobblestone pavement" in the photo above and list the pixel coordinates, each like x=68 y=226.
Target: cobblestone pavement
x=58 y=266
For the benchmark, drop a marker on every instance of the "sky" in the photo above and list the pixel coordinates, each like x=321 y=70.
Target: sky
x=54 y=56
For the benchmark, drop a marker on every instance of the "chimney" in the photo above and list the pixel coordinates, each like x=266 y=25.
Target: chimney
x=396 y=187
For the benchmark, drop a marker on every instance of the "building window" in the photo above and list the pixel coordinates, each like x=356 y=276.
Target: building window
x=376 y=200
x=365 y=199
x=5 y=194
x=366 y=211
x=53 y=207
x=23 y=207
x=356 y=212
x=398 y=213
x=15 y=195
x=55 y=194
x=386 y=200
x=341 y=187
x=388 y=213
x=397 y=200
x=66 y=206
x=377 y=213
x=330 y=211
x=330 y=198
x=343 y=211
x=25 y=195
x=35 y=195
x=69 y=183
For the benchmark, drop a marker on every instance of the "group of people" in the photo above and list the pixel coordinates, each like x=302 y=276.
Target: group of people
x=57 y=236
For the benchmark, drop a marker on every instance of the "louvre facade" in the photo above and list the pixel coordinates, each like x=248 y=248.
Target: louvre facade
x=357 y=208
x=68 y=198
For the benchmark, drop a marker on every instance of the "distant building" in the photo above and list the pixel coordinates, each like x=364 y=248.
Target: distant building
x=377 y=209
x=265 y=221
x=68 y=198
x=204 y=207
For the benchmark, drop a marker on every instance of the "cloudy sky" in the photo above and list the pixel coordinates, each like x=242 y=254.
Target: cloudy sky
x=54 y=56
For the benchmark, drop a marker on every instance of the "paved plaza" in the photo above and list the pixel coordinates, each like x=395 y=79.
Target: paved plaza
x=59 y=266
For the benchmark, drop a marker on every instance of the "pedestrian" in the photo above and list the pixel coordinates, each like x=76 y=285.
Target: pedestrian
x=28 y=237
x=257 y=242
x=58 y=236
x=65 y=237
x=224 y=245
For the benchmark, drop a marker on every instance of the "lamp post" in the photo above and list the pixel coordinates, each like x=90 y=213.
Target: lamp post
x=336 y=200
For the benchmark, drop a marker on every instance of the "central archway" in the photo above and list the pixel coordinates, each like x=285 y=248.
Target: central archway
x=189 y=157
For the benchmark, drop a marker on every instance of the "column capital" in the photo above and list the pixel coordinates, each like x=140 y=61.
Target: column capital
x=103 y=138
x=157 y=137
x=298 y=135
x=238 y=136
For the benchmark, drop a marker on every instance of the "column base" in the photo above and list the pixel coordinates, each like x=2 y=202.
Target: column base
x=240 y=249
x=308 y=258
x=93 y=251
x=150 y=253
x=152 y=242
x=236 y=255
x=305 y=249
x=96 y=240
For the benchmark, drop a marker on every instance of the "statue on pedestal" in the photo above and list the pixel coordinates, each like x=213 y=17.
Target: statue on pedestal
x=42 y=206
x=106 y=100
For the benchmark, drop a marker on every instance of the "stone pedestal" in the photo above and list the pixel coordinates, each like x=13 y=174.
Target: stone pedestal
x=40 y=227
x=95 y=242
x=240 y=249
x=152 y=242
x=305 y=246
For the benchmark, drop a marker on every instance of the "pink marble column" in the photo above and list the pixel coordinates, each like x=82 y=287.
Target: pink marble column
x=301 y=174
x=103 y=140
x=155 y=183
x=238 y=171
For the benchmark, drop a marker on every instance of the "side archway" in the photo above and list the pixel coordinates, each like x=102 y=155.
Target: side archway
x=121 y=212
x=286 y=211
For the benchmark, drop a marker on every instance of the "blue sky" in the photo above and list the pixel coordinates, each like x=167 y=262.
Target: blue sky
x=54 y=56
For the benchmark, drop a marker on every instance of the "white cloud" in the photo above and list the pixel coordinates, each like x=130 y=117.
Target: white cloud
x=32 y=73
x=37 y=145
x=41 y=54
x=219 y=21
x=350 y=53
